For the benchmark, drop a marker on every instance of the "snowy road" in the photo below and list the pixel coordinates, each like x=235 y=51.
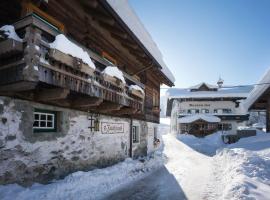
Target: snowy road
x=186 y=175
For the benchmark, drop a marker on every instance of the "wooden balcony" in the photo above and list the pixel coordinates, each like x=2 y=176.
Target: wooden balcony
x=32 y=70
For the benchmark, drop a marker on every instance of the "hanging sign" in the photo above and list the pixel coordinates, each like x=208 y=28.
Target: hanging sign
x=110 y=128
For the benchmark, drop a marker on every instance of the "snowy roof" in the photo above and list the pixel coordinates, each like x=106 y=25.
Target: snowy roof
x=204 y=117
x=64 y=45
x=229 y=92
x=201 y=84
x=258 y=90
x=125 y=12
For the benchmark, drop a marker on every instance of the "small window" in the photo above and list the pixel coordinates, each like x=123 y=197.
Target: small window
x=205 y=111
x=135 y=134
x=44 y=121
x=155 y=98
x=227 y=110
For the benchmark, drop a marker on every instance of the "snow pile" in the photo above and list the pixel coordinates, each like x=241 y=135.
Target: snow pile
x=114 y=72
x=207 y=145
x=136 y=87
x=10 y=32
x=64 y=45
x=245 y=168
x=86 y=185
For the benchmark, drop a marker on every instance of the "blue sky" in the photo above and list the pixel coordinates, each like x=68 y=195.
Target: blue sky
x=203 y=39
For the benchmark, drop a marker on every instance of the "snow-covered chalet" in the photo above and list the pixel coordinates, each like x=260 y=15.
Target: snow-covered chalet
x=259 y=98
x=79 y=87
x=204 y=108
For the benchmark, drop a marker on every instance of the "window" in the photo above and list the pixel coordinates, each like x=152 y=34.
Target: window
x=205 y=111
x=227 y=110
x=218 y=111
x=135 y=134
x=155 y=98
x=44 y=121
x=193 y=111
x=182 y=111
x=225 y=127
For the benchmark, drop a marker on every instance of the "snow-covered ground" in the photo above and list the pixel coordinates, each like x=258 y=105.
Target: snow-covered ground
x=86 y=185
x=188 y=168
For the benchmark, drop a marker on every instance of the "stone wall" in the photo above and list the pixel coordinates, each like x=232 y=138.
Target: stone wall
x=27 y=157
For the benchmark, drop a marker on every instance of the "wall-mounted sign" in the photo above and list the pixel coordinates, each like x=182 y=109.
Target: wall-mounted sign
x=199 y=105
x=110 y=128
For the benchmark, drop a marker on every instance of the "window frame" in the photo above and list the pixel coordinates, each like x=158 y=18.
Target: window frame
x=136 y=139
x=40 y=112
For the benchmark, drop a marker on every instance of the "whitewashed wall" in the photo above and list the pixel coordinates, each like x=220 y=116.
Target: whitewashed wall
x=26 y=156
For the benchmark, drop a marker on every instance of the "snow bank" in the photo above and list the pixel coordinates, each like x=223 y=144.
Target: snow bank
x=114 y=72
x=64 y=45
x=86 y=185
x=10 y=32
x=207 y=145
x=245 y=172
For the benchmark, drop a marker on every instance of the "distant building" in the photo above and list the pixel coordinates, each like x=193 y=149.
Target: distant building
x=203 y=109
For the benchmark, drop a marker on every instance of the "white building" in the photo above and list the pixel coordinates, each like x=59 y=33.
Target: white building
x=204 y=109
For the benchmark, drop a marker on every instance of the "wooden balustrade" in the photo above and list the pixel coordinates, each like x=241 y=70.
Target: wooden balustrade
x=38 y=68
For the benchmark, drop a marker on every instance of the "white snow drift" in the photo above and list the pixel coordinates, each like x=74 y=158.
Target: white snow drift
x=10 y=32
x=64 y=45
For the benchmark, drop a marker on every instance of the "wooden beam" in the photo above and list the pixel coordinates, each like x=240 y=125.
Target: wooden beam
x=119 y=36
x=91 y=4
x=108 y=106
x=268 y=115
x=112 y=28
x=132 y=45
x=85 y=102
x=19 y=86
x=126 y=111
x=51 y=94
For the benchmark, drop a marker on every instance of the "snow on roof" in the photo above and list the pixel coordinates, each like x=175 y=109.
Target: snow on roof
x=204 y=117
x=125 y=12
x=10 y=32
x=136 y=87
x=202 y=83
x=236 y=92
x=115 y=72
x=258 y=90
x=64 y=45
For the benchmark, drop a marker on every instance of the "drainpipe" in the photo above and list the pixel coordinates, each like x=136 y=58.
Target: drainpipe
x=130 y=138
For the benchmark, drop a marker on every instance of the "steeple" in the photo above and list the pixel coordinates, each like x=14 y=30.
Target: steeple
x=220 y=82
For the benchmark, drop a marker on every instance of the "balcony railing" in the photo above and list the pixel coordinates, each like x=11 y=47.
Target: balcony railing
x=29 y=65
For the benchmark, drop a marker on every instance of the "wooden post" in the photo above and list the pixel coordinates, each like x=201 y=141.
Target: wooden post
x=268 y=115
x=32 y=54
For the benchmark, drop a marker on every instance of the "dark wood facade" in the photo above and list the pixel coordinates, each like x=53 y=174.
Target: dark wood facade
x=28 y=70
x=262 y=103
